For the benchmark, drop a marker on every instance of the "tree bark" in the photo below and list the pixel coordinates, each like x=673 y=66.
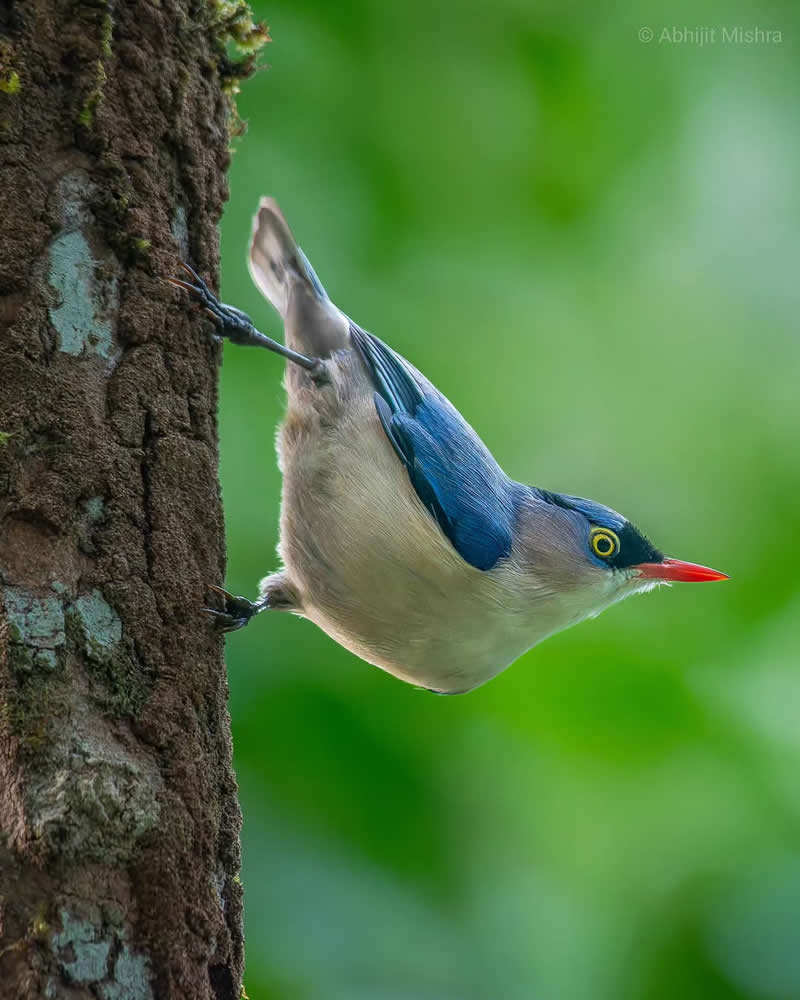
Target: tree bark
x=119 y=822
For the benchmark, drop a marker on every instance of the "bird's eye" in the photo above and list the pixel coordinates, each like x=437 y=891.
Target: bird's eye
x=604 y=543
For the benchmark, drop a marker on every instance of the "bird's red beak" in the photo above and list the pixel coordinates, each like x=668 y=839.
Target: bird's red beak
x=677 y=569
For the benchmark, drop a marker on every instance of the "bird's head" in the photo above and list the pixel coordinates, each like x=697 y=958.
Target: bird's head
x=591 y=556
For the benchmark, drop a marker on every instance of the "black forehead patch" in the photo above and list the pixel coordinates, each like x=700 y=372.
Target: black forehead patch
x=634 y=547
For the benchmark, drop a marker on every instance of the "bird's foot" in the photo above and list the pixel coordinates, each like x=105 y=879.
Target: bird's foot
x=236 y=613
x=238 y=327
x=230 y=321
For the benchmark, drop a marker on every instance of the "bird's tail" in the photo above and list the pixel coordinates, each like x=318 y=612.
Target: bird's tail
x=312 y=323
x=276 y=259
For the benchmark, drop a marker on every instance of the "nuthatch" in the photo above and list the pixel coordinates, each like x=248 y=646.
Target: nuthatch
x=401 y=536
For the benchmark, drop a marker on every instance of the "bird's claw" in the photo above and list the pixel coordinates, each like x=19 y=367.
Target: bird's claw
x=236 y=614
x=231 y=322
x=200 y=290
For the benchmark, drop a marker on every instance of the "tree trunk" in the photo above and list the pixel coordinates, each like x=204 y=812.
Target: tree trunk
x=119 y=821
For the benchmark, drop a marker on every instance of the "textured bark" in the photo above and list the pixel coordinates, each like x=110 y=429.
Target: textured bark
x=119 y=821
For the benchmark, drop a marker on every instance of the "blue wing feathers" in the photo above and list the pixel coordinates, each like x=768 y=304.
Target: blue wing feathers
x=451 y=470
x=316 y=284
x=385 y=416
x=396 y=384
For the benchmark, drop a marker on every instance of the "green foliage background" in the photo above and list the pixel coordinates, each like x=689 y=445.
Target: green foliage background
x=590 y=244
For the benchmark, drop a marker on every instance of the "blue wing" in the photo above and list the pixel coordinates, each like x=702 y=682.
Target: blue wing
x=452 y=471
x=316 y=284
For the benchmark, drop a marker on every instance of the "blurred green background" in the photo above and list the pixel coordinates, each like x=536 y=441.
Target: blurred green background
x=590 y=244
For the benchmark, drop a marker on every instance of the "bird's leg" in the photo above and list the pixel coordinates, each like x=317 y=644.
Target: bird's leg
x=237 y=611
x=239 y=328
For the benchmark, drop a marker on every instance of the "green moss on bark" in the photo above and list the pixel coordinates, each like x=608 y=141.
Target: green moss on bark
x=238 y=40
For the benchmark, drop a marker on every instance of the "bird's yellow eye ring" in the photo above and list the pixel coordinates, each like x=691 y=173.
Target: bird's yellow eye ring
x=604 y=543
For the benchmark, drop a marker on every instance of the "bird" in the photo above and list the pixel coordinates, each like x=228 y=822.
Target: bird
x=400 y=535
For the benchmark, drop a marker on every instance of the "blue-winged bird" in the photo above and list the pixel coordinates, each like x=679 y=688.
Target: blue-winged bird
x=401 y=536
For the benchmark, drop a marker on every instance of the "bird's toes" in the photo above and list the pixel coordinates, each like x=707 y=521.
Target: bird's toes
x=224 y=622
x=197 y=288
x=236 y=611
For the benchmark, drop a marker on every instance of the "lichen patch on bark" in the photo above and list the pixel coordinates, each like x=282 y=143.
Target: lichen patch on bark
x=92 y=952
x=80 y=320
x=35 y=621
x=99 y=622
x=85 y=290
x=81 y=956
